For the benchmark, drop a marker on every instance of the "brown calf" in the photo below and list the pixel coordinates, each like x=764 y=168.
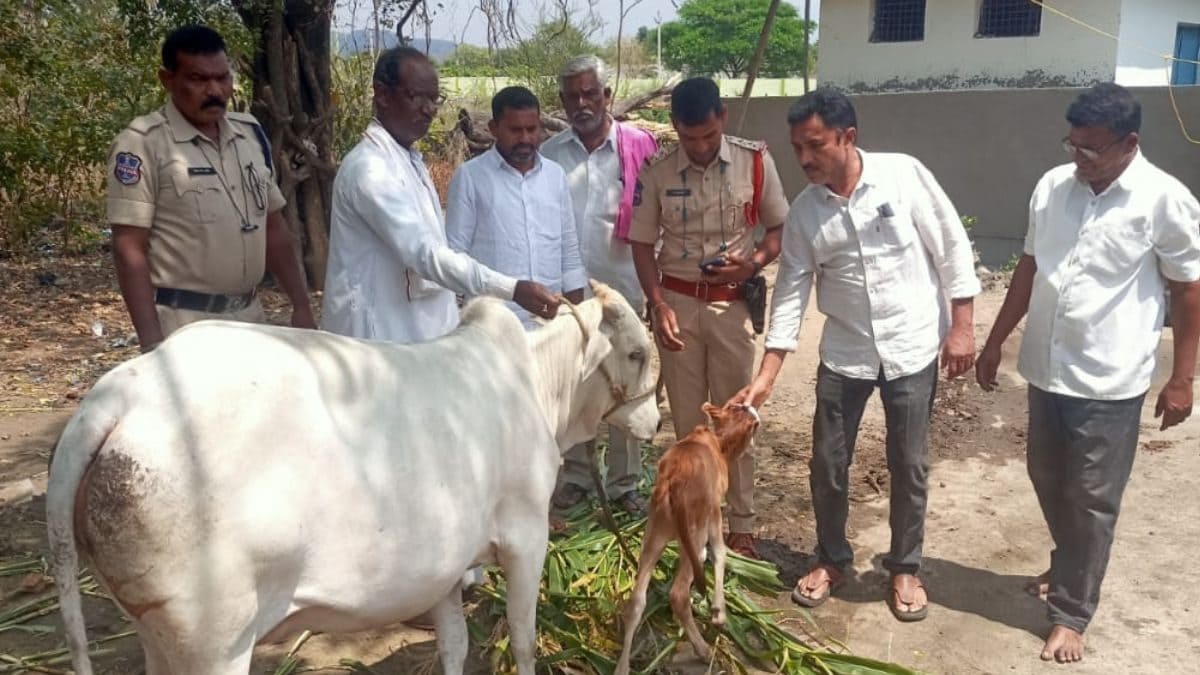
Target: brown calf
x=692 y=478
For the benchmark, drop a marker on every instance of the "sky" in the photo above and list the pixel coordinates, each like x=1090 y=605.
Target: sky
x=455 y=22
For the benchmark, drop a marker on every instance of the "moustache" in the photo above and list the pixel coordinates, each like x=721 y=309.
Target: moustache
x=524 y=148
x=213 y=102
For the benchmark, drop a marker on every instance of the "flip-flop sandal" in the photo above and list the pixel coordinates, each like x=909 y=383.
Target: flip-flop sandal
x=898 y=597
x=836 y=580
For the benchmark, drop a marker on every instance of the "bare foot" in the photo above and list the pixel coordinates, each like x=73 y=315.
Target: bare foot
x=1039 y=586
x=1064 y=646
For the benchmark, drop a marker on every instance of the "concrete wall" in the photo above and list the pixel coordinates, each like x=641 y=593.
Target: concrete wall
x=987 y=148
x=951 y=57
x=1148 y=30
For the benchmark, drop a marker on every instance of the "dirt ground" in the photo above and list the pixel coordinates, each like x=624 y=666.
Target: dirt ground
x=985 y=534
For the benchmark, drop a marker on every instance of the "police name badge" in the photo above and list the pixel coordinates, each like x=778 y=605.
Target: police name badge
x=128 y=168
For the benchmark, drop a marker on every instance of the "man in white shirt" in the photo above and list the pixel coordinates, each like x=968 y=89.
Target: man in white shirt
x=895 y=278
x=510 y=209
x=588 y=152
x=391 y=274
x=1106 y=233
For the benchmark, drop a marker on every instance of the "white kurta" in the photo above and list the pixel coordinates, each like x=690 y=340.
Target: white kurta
x=391 y=275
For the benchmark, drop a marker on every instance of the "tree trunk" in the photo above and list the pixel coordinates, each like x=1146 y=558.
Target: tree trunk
x=292 y=84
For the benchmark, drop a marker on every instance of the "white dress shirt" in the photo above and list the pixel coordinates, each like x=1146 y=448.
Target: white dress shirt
x=391 y=275
x=518 y=224
x=595 y=181
x=886 y=262
x=1096 y=311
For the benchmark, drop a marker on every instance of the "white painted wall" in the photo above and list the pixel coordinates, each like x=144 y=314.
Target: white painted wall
x=1148 y=30
x=951 y=57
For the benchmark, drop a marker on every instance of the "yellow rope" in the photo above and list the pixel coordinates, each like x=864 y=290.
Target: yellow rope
x=1167 y=59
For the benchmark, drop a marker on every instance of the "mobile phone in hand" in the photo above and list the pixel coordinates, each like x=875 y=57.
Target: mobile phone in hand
x=706 y=267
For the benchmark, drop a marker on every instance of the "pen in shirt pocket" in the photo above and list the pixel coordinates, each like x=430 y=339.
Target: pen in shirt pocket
x=885 y=211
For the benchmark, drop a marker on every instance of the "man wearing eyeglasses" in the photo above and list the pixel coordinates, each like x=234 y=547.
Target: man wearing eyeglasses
x=196 y=215
x=1106 y=233
x=392 y=275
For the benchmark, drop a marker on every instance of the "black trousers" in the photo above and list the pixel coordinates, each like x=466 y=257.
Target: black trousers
x=907 y=404
x=1080 y=454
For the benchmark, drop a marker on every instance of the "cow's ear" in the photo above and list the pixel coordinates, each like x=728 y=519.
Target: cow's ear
x=597 y=349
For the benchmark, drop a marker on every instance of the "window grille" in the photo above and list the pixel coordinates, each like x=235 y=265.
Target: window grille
x=1009 y=18
x=899 y=21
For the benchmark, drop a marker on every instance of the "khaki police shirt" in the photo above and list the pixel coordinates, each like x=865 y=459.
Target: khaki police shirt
x=694 y=209
x=194 y=195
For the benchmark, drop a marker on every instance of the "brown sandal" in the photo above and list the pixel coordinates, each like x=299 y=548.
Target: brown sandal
x=835 y=581
x=907 y=596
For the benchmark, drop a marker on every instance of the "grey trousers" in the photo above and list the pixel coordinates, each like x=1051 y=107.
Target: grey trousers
x=623 y=462
x=1080 y=454
x=907 y=403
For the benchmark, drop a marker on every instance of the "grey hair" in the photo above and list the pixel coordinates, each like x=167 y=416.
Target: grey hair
x=579 y=65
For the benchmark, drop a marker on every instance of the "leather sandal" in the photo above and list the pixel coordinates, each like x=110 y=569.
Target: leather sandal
x=905 y=592
x=835 y=581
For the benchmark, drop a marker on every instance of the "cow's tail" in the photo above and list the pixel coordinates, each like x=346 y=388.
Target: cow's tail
x=679 y=513
x=78 y=446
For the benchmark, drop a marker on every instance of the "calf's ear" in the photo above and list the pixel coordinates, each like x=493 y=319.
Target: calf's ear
x=712 y=411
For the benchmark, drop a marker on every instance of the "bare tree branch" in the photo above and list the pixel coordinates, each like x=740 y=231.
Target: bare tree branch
x=623 y=11
x=756 y=62
x=404 y=19
x=621 y=109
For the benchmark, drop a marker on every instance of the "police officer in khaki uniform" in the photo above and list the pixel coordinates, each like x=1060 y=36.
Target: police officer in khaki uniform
x=195 y=212
x=699 y=202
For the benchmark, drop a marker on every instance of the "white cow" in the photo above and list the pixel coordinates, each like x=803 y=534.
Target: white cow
x=242 y=483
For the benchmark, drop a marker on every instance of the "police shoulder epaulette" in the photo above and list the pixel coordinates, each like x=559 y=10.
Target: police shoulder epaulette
x=145 y=123
x=755 y=146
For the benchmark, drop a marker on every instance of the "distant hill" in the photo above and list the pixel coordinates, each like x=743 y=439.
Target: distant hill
x=359 y=40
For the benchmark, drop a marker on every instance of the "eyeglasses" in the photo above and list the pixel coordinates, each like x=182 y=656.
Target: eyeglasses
x=421 y=99
x=1089 y=154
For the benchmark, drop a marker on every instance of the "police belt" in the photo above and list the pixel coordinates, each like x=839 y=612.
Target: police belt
x=703 y=290
x=209 y=303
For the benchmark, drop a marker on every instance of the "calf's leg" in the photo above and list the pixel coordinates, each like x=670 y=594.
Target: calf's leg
x=652 y=549
x=717 y=543
x=681 y=603
x=156 y=661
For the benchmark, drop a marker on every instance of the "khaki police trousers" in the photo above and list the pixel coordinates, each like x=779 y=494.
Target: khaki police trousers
x=717 y=361
x=172 y=319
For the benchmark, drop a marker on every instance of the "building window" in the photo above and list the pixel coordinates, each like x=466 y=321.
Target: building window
x=1187 y=52
x=1009 y=18
x=899 y=21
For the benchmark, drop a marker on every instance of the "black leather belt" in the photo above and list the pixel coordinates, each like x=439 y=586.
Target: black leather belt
x=178 y=298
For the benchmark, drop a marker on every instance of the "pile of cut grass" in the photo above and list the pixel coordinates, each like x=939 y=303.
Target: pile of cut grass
x=586 y=581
